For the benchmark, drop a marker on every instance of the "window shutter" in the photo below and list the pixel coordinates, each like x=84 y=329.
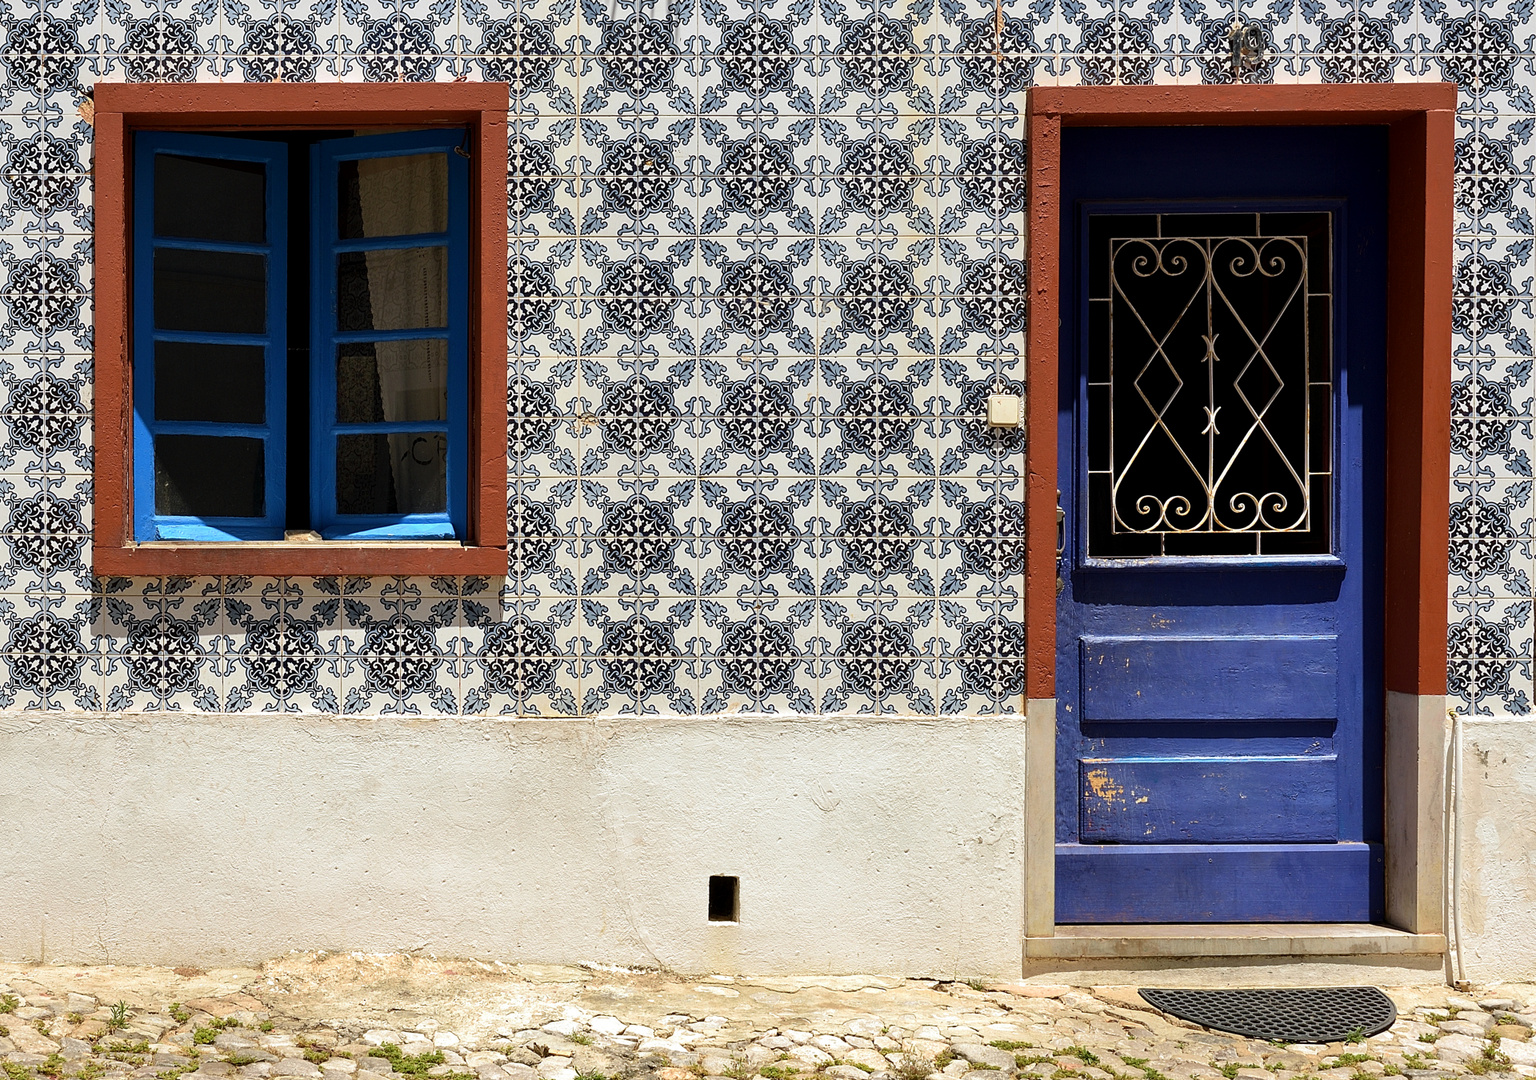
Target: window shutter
x=210 y=233
x=389 y=336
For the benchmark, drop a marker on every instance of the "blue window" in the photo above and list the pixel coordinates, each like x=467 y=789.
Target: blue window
x=300 y=342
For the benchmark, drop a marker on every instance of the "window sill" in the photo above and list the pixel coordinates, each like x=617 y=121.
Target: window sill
x=325 y=558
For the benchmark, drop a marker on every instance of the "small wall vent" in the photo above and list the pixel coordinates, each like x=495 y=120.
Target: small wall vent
x=724 y=899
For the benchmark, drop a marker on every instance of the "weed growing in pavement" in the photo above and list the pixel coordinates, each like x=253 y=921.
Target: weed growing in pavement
x=1350 y=1059
x=119 y=1018
x=317 y=1055
x=1391 y=1069
x=1355 y=1037
x=976 y=984
x=5 y=1032
x=911 y=1066
x=738 y=1069
x=204 y=1036
x=1229 y=1070
x=1493 y=1060
x=1083 y=1054
x=14 y=1071
x=53 y=1066
x=1024 y=1061
x=946 y=1055
x=975 y=1066
x=9 y=1003
x=42 y=1026
x=91 y=1070
x=178 y=1014
x=1009 y=1044
x=265 y=1025
x=581 y=1038
x=74 y=1018
x=417 y=1064
x=787 y=1072
x=124 y=1051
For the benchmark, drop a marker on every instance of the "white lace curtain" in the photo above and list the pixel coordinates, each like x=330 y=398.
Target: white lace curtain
x=401 y=196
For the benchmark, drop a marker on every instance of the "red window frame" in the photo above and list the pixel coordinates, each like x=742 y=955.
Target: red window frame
x=121 y=109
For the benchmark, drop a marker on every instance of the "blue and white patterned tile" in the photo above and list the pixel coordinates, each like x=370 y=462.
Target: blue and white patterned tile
x=160 y=643
x=1490 y=662
x=818 y=107
x=48 y=664
x=519 y=663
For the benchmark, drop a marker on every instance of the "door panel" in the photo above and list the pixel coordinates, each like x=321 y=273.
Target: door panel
x=1196 y=883
x=1219 y=626
x=1209 y=800
x=1248 y=677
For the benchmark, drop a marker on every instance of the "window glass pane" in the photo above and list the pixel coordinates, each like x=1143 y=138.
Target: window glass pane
x=392 y=380
x=209 y=199
x=209 y=476
x=393 y=289
x=397 y=473
x=213 y=291
x=223 y=383
x=393 y=196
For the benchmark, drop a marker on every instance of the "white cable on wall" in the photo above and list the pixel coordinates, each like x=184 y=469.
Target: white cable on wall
x=1453 y=864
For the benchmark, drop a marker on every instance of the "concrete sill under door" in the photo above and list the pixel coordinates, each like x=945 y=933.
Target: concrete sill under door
x=1167 y=940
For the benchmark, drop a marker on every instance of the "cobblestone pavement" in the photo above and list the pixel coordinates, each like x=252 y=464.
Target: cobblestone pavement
x=357 y=1017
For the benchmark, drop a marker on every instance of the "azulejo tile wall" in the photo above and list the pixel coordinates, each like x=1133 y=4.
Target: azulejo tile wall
x=766 y=262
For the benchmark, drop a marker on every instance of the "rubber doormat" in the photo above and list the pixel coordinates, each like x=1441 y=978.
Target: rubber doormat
x=1320 y=1015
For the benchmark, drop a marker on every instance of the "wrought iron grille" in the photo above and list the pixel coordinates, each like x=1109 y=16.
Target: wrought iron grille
x=1210 y=384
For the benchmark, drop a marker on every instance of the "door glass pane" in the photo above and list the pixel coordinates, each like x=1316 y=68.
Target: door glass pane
x=393 y=196
x=397 y=473
x=222 y=383
x=391 y=381
x=210 y=291
x=392 y=289
x=1207 y=363
x=210 y=199
x=209 y=476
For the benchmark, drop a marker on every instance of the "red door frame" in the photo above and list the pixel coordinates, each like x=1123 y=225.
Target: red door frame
x=1421 y=119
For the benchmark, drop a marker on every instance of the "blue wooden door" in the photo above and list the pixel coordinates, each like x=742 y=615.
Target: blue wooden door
x=1219 y=725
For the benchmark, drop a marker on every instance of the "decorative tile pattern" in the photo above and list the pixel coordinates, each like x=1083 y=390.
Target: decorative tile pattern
x=767 y=261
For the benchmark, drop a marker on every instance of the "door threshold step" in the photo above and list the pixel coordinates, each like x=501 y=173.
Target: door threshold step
x=1167 y=940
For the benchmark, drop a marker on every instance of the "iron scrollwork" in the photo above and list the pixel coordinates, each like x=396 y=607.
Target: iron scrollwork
x=1209 y=406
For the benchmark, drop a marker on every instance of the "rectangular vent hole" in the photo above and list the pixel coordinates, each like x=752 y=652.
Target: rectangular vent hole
x=724 y=899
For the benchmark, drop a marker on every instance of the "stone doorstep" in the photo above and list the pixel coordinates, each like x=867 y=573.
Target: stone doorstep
x=1171 y=940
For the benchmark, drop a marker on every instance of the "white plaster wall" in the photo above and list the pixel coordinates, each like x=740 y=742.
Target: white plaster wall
x=863 y=845
x=1495 y=867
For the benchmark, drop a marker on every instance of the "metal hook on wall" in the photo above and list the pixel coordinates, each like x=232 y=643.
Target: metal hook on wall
x=1246 y=41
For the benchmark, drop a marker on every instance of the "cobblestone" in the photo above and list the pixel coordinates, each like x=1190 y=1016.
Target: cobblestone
x=325 y=1017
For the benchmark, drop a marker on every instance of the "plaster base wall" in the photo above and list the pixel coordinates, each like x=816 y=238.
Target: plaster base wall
x=862 y=845
x=1494 y=865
